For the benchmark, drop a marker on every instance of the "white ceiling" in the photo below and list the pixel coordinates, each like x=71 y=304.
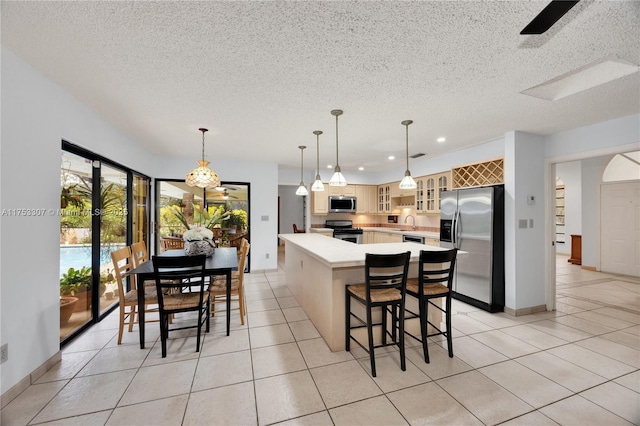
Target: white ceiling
x=263 y=75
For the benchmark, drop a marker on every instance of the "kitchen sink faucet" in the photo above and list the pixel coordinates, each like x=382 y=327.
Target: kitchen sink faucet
x=413 y=228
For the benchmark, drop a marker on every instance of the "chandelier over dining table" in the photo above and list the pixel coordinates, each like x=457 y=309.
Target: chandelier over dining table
x=203 y=176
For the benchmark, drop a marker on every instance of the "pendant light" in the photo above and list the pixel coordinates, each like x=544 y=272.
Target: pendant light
x=407 y=180
x=302 y=190
x=337 y=179
x=317 y=185
x=202 y=176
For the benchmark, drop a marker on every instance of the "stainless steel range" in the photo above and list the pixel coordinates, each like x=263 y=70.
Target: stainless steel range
x=344 y=230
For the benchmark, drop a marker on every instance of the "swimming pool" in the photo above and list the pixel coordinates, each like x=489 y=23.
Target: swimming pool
x=78 y=256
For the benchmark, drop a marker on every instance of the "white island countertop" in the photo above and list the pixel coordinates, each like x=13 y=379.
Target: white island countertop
x=434 y=235
x=337 y=253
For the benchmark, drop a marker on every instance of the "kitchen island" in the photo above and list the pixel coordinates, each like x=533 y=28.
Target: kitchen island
x=318 y=268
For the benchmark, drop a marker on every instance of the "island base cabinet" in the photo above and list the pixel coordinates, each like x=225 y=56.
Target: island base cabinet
x=320 y=291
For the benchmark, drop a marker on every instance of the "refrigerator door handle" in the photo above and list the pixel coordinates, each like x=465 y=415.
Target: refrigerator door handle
x=456 y=225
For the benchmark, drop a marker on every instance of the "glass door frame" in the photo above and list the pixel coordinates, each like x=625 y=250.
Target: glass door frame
x=157 y=206
x=97 y=162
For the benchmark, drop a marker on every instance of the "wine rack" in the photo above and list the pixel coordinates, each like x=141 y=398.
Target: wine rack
x=489 y=172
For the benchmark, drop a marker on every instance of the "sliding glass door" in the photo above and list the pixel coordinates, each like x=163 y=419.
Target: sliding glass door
x=76 y=249
x=104 y=207
x=112 y=219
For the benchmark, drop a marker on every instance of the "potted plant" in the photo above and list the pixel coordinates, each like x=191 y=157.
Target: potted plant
x=199 y=237
x=202 y=217
x=77 y=282
x=238 y=218
x=67 y=307
x=69 y=196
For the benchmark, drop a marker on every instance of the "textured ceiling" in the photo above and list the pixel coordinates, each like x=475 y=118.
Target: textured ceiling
x=263 y=75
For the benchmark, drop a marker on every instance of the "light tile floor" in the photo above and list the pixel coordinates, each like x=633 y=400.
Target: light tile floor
x=578 y=365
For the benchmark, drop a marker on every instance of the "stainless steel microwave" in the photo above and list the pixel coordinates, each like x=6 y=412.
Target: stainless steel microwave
x=340 y=204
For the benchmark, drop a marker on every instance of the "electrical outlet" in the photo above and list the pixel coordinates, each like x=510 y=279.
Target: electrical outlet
x=266 y=256
x=4 y=353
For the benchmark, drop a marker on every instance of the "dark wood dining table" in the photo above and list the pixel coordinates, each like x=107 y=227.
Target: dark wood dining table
x=221 y=262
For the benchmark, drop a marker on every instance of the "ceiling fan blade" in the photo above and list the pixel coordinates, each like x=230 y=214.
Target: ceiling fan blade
x=549 y=16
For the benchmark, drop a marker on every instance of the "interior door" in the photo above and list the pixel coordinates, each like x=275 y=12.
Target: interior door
x=620 y=228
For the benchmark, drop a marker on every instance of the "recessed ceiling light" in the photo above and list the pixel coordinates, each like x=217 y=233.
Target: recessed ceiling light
x=440 y=140
x=361 y=168
x=329 y=166
x=391 y=157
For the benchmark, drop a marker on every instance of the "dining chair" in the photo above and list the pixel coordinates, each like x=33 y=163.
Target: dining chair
x=170 y=273
x=384 y=287
x=297 y=230
x=141 y=255
x=218 y=285
x=435 y=280
x=123 y=263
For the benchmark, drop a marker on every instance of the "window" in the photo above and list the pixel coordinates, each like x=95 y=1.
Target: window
x=623 y=167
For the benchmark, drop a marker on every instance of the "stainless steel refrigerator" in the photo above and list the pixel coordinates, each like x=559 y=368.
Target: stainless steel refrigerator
x=472 y=220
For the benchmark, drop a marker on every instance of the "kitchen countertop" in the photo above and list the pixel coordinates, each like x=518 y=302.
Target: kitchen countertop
x=321 y=230
x=425 y=234
x=337 y=253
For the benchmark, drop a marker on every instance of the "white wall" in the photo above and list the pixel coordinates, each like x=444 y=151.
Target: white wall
x=36 y=116
x=571 y=174
x=592 y=140
x=524 y=247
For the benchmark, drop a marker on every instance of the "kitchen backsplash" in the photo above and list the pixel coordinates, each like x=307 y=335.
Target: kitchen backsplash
x=424 y=223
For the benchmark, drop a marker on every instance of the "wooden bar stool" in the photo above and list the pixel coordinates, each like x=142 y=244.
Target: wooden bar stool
x=435 y=278
x=384 y=287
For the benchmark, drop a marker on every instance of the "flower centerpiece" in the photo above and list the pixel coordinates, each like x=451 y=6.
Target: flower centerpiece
x=198 y=241
x=198 y=238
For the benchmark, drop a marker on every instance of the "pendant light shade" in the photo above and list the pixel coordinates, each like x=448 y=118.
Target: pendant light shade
x=317 y=184
x=407 y=181
x=202 y=176
x=302 y=190
x=337 y=179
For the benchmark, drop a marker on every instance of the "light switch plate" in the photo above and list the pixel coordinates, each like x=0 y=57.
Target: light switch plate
x=522 y=223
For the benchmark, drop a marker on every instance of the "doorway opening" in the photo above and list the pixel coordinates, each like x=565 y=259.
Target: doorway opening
x=589 y=212
x=175 y=198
